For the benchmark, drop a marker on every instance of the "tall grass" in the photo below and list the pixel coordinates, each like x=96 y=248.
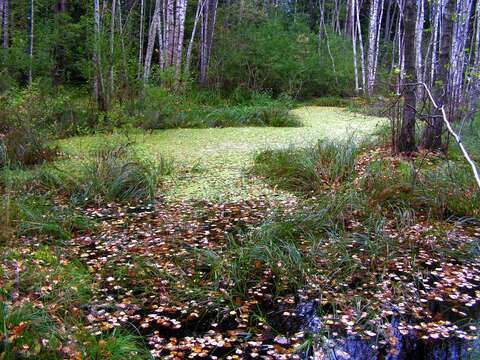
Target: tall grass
x=312 y=169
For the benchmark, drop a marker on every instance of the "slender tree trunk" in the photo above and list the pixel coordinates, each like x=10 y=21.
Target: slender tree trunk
x=474 y=90
x=376 y=12
x=2 y=8
x=354 y=45
x=388 y=21
x=161 y=40
x=141 y=38
x=406 y=140
x=170 y=31
x=62 y=5
x=360 y=41
x=432 y=135
x=181 y=14
x=435 y=32
x=207 y=31
x=112 y=47
x=198 y=13
x=152 y=34
x=419 y=41
x=30 y=41
x=122 y=41
x=98 y=83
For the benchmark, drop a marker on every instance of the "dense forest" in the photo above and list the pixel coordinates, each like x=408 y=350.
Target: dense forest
x=239 y=179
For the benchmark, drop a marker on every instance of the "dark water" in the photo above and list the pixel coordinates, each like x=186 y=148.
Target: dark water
x=408 y=347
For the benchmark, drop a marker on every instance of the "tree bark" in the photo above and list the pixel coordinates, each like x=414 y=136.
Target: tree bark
x=419 y=41
x=180 y=32
x=98 y=83
x=152 y=34
x=207 y=31
x=360 y=41
x=376 y=12
x=170 y=31
x=354 y=45
x=432 y=135
x=188 y=59
x=406 y=139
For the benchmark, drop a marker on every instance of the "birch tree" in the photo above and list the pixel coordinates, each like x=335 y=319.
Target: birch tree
x=152 y=34
x=376 y=12
x=179 y=35
x=209 y=15
x=200 y=5
x=98 y=82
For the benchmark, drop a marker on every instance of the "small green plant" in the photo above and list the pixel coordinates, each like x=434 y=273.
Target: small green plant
x=118 y=345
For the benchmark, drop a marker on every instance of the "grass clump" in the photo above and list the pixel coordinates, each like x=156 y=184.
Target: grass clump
x=311 y=169
x=118 y=345
x=116 y=174
x=235 y=116
x=25 y=145
x=442 y=191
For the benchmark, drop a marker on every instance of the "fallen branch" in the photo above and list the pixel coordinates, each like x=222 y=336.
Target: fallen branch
x=453 y=133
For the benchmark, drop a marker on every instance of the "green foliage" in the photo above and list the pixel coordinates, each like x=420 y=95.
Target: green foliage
x=281 y=56
x=311 y=169
x=165 y=110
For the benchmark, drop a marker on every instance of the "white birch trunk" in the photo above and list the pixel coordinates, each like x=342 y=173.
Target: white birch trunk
x=188 y=58
x=360 y=41
x=152 y=34
x=354 y=45
x=181 y=14
x=419 y=42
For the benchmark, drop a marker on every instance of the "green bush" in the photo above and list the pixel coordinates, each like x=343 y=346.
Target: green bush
x=280 y=55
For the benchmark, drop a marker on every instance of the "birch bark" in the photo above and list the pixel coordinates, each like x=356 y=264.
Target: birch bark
x=152 y=34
